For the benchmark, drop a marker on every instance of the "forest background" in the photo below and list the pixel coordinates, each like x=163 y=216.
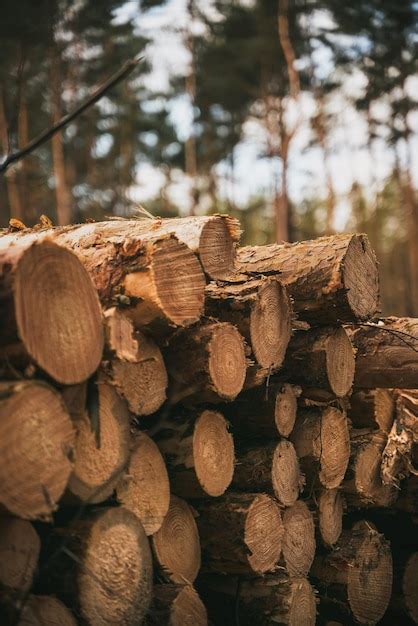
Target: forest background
x=300 y=117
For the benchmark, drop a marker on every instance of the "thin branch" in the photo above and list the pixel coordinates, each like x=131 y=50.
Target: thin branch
x=122 y=73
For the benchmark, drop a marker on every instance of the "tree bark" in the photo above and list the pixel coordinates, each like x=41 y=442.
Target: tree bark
x=331 y=279
x=372 y=408
x=16 y=209
x=177 y=605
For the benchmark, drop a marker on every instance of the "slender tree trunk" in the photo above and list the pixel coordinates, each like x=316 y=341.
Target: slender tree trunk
x=412 y=209
x=190 y=144
x=282 y=207
x=322 y=139
x=15 y=204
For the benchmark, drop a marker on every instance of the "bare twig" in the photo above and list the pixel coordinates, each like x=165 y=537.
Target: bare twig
x=122 y=73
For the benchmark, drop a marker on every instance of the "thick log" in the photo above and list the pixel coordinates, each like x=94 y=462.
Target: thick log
x=101 y=448
x=272 y=599
x=363 y=484
x=144 y=488
x=207 y=361
x=387 y=353
x=136 y=366
x=46 y=611
x=49 y=312
x=331 y=279
x=176 y=605
x=199 y=453
x=136 y=264
x=398 y=455
x=330 y=516
x=355 y=579
x=261 y=310
x=372 y=408
x=36 y=449
x=405 y=598
x=241 y=533
x=322 y=442
x=271 y=468
x=321 y=358
x=299 y=544
x=101 y=566
x=176 y=545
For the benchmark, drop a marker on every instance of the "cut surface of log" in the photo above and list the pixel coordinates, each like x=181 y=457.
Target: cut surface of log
x=357 y=576
x=322 y=358
x=49 y=304
x=241 y=533
x=199 y=453
x=102 y=449
x=330 y=516
x=387 y=354
x=322 y=443
x=272 y=468
x=46 y=611
x=372 y=408
x=144 y=488
x=298 y=540
x=177 y=605
x=208 y=360
x=176 y=544
x=261 y=310
x=36 y=447
x=331 y=279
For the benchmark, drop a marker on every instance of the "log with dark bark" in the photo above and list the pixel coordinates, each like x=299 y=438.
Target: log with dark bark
x=398 y=458
x=199 y=453
x=299 y=544
x=49 y=312
x=240 y=533
x=144 y=487
x=355 y=579
x=322 y=442
x=271 y=468
x=372 y=408
x=135 y=365
x=330 y=516
x=321 y=358
x=46 y=611
x=387 y=353
x=36 y=449
x=176 y=605
x=261 y=310
x=331 y=279
x=207 y=361
x=176 y=545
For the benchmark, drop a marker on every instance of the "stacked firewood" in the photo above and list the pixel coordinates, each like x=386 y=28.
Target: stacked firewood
x=193 y=432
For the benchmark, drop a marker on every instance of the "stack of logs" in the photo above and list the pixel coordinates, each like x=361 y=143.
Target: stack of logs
x=193 y=432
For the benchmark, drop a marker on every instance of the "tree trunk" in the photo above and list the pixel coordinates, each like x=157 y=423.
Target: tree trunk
x=331 y=279
x=16 y=209
x=372 y=408
x=45 y=611
x=36 y=448
x=176 y=605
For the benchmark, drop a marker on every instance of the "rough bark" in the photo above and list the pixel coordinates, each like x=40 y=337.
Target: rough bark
x=322 y=358
x=144 y=488
x=241 y=533
x=387 y=353
x=199 y=453
x=331 y=279
x=355 y=579
x=46 y=611
x=176 y=605
x=261 y=310
x=298 y=548
x=207 y=360
x=322 y=443
x=36 y=449
x=372 y=408
x=271 y=468
x=49 y=312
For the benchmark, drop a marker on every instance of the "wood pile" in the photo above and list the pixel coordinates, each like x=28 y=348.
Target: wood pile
x=195 y=433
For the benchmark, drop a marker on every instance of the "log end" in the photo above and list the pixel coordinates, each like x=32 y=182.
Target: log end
x=286 y=408
x=340 y=362
x=360 y=278
x=227 y=363
x=263 y=534
x=46 y=611
x=330 y=506
x=333 y=447
x=217 y=247
x=302 y=609
x=19 y=553
x=299 y=539
x=213 y=452
x=187 y=609
x=410 y=586
x=286 y=476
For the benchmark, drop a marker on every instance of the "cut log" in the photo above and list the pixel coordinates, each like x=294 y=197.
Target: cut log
x=272 y=468
x=408 y=497
x=298 y=540
x=331 y=279
x=46 y=611
x=208 y=360
x=177 y=605
x=102 y=447
x=36 y=449
x=261 y=310
x=363 y=484
x=145 y=489
x=102 y=567
x=199 y=453
x=402 y=441
x=49 y=312
x=387 y=353
x=272 y=599
x=321 y=358
x=372 y=408
x=176 y=545
x=322 y=442
x=136 y=366
x=241 y=533
x=330 y=516
x=355 y=580
x=407 y=586
x=136 y=265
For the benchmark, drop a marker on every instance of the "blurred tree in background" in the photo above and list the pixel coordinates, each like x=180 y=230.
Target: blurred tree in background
x=321 y=82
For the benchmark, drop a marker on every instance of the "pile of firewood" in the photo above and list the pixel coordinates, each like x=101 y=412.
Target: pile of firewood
x=193 y=432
